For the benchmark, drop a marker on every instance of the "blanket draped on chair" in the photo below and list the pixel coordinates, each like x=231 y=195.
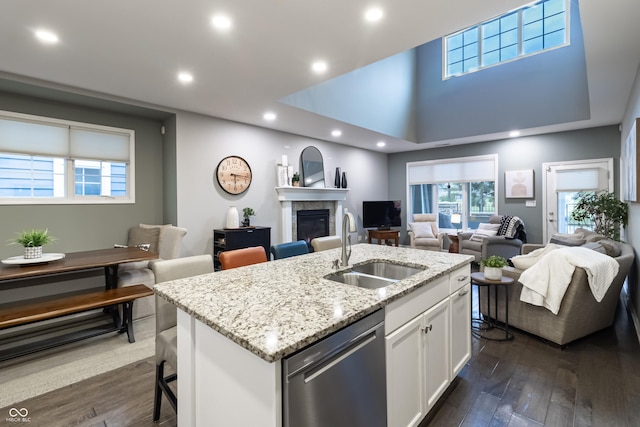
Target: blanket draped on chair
x=545 y=282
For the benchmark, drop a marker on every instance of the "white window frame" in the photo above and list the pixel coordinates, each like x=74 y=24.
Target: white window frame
x=449 y=161
x=520 y=55
x=70 y=196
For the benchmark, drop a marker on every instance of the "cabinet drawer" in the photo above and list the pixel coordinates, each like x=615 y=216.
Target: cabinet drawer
x=417 y=302
x=459 y=278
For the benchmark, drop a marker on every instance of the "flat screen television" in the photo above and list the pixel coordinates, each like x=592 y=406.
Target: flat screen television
x=381 y=214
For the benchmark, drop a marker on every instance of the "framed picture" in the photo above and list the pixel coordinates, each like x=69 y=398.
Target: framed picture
x=630 y=165
x=518 y=184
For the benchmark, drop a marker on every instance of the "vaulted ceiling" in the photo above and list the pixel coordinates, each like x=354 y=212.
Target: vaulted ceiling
x=133 y=51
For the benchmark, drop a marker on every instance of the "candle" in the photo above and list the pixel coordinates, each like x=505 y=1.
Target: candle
x=284 y=160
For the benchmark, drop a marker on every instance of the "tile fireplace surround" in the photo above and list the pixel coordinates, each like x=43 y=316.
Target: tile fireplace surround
x=293 y=199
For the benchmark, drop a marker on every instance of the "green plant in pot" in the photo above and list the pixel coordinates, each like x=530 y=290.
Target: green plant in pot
x=246 y=214
x=493 y=267
x=32 y=241
x=295 y=179
x=603 y=211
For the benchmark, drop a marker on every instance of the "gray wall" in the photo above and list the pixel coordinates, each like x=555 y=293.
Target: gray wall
x=633 y=229
x=85 y=227
x=203 y=141
x=517 y=154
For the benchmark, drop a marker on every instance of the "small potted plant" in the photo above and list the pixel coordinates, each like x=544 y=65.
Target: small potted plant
x=493 y=267
x=246 y=214
x=295 y=180
x=32 y=241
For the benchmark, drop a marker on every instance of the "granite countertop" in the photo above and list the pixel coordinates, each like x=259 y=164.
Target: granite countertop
x=276 y=308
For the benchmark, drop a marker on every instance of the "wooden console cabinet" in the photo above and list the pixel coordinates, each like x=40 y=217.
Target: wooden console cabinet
x=238 y=238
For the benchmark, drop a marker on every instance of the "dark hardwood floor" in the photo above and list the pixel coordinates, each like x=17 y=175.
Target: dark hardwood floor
x=525 y=382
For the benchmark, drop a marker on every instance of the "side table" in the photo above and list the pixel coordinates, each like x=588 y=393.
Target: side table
x=479 y=326
x=385 y=235
x=454 y=245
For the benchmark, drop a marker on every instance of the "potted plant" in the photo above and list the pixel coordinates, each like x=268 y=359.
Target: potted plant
x=246 y=213
x=295 y=179
x=603 y=211
x=32 y=241
x=493 y=267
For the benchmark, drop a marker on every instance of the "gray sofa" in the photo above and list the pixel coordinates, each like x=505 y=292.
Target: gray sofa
x=579 y=315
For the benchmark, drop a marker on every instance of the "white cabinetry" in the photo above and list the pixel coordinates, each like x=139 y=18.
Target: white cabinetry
x=428 y=341
x=460 y=309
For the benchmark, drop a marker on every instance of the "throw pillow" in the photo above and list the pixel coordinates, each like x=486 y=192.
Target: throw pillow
x=595 y=246
x=611 y=247
x=485 y=230
x=568 y=239
x=589 y=236
x=421 y=229
x=144 y=236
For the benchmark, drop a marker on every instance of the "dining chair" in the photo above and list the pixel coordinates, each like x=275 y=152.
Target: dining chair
x=326 y=242
x=241 y=257
x=289 y=249
x=166 y=321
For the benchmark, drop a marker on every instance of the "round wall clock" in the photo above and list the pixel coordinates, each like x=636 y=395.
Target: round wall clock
x=234 y=174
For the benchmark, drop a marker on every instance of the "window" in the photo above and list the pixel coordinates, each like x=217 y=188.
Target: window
x=520 y=33
x=46 y=160
x=465 y=186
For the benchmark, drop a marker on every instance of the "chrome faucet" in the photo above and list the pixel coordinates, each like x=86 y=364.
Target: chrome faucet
x=347 y=221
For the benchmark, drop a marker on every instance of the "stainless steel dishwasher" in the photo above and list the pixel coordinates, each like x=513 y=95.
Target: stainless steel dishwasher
x=340 y=380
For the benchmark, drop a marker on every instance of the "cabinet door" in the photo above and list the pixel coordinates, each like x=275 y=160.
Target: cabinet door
x=436 y=362
x=460 y=329
x=405 y=375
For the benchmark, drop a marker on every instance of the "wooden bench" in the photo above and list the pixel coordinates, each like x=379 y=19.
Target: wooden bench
x=16 y=314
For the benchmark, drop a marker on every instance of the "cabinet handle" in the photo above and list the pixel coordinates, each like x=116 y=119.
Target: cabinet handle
x=427 y=329
x=462 y=278
x=463 y=292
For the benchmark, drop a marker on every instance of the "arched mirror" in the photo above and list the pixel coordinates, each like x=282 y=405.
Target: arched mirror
x=312 y=167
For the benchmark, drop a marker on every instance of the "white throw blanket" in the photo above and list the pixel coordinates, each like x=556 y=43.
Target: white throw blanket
x=546 y=282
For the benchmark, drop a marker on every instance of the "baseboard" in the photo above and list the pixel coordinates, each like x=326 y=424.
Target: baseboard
x=634 y=315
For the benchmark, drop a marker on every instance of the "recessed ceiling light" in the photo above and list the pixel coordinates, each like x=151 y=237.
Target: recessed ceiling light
x=373 y=14
x=514 y=133
x=47 y=36
x=269 y=116
x=319 y=66
x=381 y=144
x=336 y=133
x=221 y=22
x=185 y=77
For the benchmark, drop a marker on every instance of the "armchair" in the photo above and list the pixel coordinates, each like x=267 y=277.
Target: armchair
x=507 y=242
x=424 y=234
x=166 y=240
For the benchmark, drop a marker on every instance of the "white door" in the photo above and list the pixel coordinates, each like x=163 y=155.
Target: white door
x=562 y=181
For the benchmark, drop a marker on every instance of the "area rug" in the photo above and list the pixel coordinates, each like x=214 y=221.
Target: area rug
x=27 y=377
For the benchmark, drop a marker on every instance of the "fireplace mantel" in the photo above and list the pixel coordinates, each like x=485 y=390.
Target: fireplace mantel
x=288 y=195
x=301 y=194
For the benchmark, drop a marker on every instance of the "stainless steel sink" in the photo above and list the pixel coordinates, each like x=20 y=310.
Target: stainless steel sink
x=388 y=270
x=375 y=274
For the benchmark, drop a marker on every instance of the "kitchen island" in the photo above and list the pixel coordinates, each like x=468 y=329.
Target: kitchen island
x=235 y=326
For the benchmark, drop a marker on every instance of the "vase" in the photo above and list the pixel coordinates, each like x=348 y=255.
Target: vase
x=492 y=273
x=336 y=182
x=32 y=252
x=233 y=218
x=344 y=180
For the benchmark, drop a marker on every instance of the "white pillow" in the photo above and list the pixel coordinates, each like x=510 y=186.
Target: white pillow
x=421 y=229
x=485 y=230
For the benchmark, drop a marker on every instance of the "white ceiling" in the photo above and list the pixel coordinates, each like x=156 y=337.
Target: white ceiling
x=133 y=51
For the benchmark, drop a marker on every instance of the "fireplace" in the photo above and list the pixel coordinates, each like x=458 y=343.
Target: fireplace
x=312 y=223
